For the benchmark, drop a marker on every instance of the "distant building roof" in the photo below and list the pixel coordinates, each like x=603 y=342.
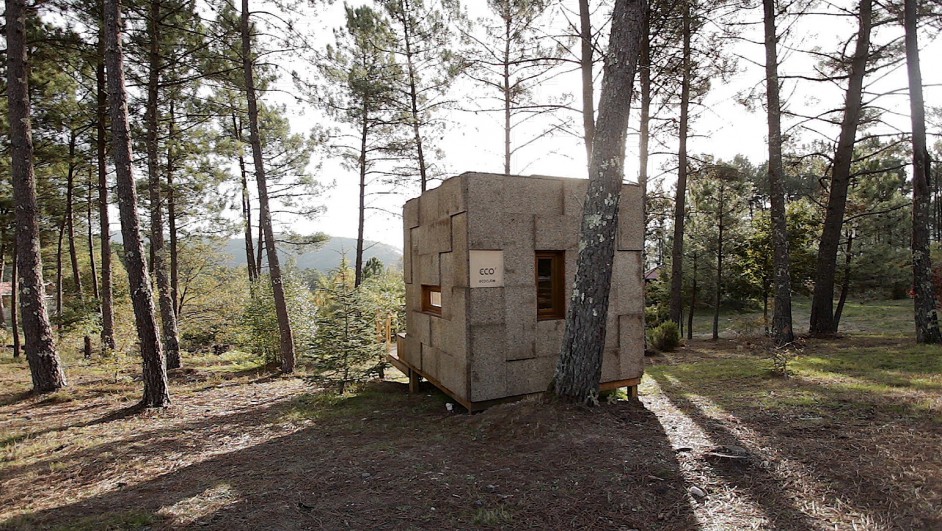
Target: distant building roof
x=6 y=289
x=653 y=274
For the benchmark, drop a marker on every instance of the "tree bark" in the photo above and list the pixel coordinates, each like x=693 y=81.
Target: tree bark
x=924 y=303
x=168 y=319
x=274 y=268
x=693 y=299
x=156 y=389
x=507 y=98
x=782 y=332
x=677 y=249
x=580 y=362
x=822 y=301
x=845 y=282
x=588 y=89
x=721 y=218
x=246 y=206
x=108 y=344
x=361 y=213
x=70 y=232
x=14 y=301
x=3 y=264
x=172 y=217
x=96 y=289
x=44 y=365
x=414 y=98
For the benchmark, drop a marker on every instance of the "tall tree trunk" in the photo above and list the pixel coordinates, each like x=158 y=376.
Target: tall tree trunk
x=414 y=98
x=44 y=365
x=168 y=318
x=96 y=289
x=507 y=96
x=924 y=304
x=782 y=332
x=274 y=268
x=677 y=250
x=108 y=344
x=156 y=389
x=845 y=282
x=822 y=301
x=14 y=300
x=588 y=89
x=719 y=265
x=59 y=290
x=693 y=299
x=70 y=231
x=361 y=218
x=246 y=206
x=580 y=362
x=260 y=249
x=172 y=215
x=3 y=264
x=644 y=126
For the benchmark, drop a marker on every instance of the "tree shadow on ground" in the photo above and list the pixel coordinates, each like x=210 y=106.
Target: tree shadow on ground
x=841 y=437
x=388 y=460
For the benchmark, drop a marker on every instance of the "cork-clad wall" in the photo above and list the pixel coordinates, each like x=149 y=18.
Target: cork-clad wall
x=487 y=343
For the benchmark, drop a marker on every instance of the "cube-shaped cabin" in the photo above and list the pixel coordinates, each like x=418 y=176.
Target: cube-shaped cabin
x=489 y=261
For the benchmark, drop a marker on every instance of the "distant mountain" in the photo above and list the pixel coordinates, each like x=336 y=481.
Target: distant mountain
x=322 y=258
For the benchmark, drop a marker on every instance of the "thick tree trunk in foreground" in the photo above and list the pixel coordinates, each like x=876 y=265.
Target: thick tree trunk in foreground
x=782 y=332
x=580 y=362
x=924 y=304
x=107 y=293
x=274 y=267
x=168 y=319
x=156 y=389
x=680 y=198
x=822 y=301
x=44 y=365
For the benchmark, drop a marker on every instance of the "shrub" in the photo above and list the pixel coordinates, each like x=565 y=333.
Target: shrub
x=666 y=336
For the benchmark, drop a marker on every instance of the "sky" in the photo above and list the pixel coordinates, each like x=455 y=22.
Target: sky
x=723 y=127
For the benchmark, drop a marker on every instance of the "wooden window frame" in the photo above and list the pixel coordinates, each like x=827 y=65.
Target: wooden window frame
x=558 y=278
x=427 y=306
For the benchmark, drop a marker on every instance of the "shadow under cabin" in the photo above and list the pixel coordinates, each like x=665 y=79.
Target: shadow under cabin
x=489 y=262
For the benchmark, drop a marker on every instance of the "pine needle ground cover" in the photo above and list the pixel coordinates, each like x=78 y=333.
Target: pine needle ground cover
x=849 y=439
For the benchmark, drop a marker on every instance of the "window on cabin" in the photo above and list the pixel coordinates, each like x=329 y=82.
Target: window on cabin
x=550 y=285
x=432 y=299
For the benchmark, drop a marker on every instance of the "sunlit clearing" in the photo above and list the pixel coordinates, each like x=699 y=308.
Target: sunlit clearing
x=189 y=510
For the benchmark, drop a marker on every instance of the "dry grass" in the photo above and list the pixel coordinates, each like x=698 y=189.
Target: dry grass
x=849 y=441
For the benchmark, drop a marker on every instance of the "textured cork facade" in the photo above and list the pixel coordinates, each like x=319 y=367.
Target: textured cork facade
x=489 y=262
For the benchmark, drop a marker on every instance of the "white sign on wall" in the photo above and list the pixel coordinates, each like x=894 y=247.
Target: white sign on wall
x=487 y=269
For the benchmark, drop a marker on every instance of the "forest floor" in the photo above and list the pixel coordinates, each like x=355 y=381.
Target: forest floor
x=849 y=441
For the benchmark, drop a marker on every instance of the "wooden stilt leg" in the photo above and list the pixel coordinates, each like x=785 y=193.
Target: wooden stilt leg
x=414 y=380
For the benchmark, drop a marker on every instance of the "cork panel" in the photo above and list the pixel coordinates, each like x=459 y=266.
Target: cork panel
x=556 y=233
x=519 y=261
x=430 y=359
x=410 y=213
x=529 y=376
x=611 y=365
x=549 y=337
x=411 y=352
x=429 y=210
x=459 y=248
x=426 y=269
x=453 y=374
x=520 y=322
x=452 y=198
x=454 y=334
x=436 y=332
x=485 y=306
x=529 y=195
x=407 y=255
x=574 y=197
x=489 y=228
x=630 y=233
x=631 y=332
x=413 y=297
x=611 y=329
x=627 y=283
x=417 y=325
x=434 y=237
x=487 y=362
